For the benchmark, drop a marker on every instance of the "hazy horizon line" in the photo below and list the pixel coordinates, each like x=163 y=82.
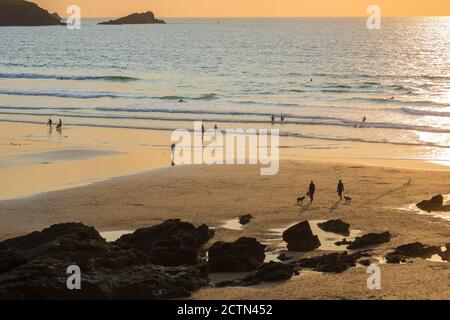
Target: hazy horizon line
x=274 y=17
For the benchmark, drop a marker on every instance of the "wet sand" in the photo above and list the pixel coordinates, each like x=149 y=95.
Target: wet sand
x=34 y=159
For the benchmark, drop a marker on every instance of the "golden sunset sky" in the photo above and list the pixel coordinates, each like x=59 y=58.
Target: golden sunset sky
x=250 y=8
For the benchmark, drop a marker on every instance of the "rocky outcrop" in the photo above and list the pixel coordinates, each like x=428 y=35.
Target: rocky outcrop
x=171 y=243
x=336 y=226
x=300 y=238
x=35 y=267
x=245 y=219
x=445 y=255
x=370 y=239
x=243 y=255
x=56 y=16
x=332 y=263
x=412 y=250
x=25 y=13
x=434 y=204
x=135 y=18
x=269 y=272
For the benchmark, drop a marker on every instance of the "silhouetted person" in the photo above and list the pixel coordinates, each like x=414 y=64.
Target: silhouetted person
x=50 y=123
x=59 y=126
x=215 y=127
x=312 y=190
x=273 y=119
x=282 y=117
x=340 y=189
x=364 y=119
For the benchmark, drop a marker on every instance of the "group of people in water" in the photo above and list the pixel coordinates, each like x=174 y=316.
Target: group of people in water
x=58 y=127
x=282 y=118
x=312 y=190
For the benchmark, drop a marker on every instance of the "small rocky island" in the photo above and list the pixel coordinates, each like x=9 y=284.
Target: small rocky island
x=136 y=18
x=25 y=13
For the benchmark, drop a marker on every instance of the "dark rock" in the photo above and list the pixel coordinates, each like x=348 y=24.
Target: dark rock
x=34 y=267
x=336 y=226
x=412 y=250
x=269 y=272
x=435 y=204
x=56 y=16
x=170 y=244
x=446 y=254
x=370 y=239
x=243 y=255
x=135 y=18
x=25 y=13
x=331 y=263
x=365 y=262
x=245 y=219
x=343 y=242
x=284 y=257
x=300 y=238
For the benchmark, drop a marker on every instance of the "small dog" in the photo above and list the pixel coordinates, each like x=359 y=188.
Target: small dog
x=348 y=199
x=300 y=200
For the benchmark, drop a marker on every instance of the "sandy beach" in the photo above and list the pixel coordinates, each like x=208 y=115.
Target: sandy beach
x=382 y=201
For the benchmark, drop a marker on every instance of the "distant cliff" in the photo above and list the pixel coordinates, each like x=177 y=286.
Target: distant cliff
x=135 y=18
x=25 y=13
x=56 y=16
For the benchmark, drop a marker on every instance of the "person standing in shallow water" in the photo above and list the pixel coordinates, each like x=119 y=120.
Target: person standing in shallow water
x=340 y=189
x=312 y=190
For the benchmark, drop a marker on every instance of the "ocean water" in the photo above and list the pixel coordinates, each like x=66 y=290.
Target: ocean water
x=325 y=75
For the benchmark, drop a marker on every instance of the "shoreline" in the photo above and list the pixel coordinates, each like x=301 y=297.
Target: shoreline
x=109 y=154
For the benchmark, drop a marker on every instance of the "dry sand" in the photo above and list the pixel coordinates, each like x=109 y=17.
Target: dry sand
x=214 y=194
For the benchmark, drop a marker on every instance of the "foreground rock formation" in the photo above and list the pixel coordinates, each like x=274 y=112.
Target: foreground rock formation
x=135 y=18
x=35 y=266
x=412 y=250
x=369 y=240
x=300 y=238
x=336 y=226
x=25 y=13
x=332 y=263
x=434 y=204
x=269 y=272
x=172 y=243
x=243 y=255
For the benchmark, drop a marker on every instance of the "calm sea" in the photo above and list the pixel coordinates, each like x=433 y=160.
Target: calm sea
x=324 y=75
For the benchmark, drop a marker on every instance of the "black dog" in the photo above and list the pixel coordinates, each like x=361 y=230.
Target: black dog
x=300 y=200
x=348 y=199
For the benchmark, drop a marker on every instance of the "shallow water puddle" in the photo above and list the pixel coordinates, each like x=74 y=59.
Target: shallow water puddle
x=232 y=224
x=327 y=239
x=112 y=236
x=443 y=215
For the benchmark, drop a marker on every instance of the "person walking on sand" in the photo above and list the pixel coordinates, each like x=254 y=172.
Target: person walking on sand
x=340 y=189
x=282 y=117
x=59 y=126
x=50 y=123
x=311 y=190
x=273 y=119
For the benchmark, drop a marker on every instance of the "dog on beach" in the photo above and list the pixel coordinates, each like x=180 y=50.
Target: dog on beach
x=348 y=199
x=300 y=200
